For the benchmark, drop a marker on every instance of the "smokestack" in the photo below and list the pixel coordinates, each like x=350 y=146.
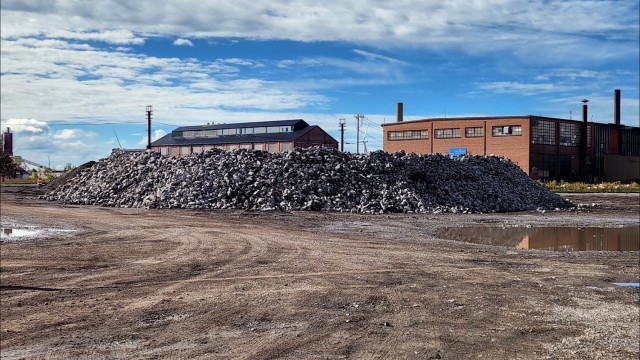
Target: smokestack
x=7 y=141
x=399 y=112
x=584 y=110
x=616 y=107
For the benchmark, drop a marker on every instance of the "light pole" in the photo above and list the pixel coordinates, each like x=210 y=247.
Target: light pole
x=342 y=123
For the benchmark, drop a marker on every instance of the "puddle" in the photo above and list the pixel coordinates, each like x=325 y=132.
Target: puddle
x=549 y=238
x=633 y=284
x=12 y=234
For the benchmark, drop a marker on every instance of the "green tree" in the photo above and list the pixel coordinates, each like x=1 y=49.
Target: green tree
x=8 y=168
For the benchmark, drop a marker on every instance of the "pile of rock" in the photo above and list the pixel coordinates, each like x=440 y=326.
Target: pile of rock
x=308 y=179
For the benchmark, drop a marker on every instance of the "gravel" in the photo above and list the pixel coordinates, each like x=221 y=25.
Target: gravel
x=315 y=179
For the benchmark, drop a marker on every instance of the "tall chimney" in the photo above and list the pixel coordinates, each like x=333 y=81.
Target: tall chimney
x=7 y=142
x=616 y=107
x=399 y=112
x=583 y=142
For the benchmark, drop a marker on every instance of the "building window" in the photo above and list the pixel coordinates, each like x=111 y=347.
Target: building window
x=272 y=148
x=232 y=147
x=273 y=129
x=173 y=151
x=163 y=151
x=211 y=133
x=408 y=135
x=474 y=132
x=189 y=134
x=196 y=150
x=260 y=130
x=185 y=150
x=285 y=147
x=570 y=134
x=509 y=130
x=258 y=147
x=246 y=146
x=286 y=129
x=546 y=166
x=446 y=133
x=543 y=132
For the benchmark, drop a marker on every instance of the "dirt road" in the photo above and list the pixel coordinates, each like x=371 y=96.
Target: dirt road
x=142 y=284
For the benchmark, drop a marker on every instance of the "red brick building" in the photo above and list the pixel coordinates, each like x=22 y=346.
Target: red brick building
x=545 y=148
x=272 y=136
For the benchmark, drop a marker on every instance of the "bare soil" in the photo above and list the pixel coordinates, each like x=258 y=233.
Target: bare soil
x=145 y=284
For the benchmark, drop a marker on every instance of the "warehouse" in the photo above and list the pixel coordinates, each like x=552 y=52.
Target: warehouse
x=545 y=148
x=271 y=136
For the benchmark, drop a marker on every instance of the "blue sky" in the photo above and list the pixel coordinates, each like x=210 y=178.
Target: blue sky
x=76 y=76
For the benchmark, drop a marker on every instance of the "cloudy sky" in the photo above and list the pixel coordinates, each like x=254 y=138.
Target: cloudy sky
x=76 y=76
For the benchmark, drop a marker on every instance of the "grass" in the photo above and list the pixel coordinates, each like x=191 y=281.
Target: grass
x=580 y=187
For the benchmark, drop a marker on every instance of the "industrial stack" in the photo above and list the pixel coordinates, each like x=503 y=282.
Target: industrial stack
x=315 y=179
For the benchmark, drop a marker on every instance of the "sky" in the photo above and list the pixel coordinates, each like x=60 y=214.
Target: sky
x=76 y=76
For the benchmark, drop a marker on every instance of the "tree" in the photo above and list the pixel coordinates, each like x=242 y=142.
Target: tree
x=8 y=168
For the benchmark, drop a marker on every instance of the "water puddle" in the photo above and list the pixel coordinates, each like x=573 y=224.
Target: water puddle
x=13 y=234
x=549 y=238
x=632 y=284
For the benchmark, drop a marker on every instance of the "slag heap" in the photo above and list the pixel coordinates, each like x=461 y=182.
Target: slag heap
x=313 y=179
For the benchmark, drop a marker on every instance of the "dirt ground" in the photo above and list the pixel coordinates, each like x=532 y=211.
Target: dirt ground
x=145 y=284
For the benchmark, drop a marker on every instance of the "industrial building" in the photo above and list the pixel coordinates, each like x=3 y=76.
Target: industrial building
x=271 y=136
x=545 y=148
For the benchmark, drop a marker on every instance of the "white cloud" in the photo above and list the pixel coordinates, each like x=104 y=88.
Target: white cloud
x=601 y=28
x=27 y=126
x=155 y=135
x=182 y=42
x=503 y=87
x=69 y=134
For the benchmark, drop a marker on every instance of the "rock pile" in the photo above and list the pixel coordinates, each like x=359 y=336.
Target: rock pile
x=308 y=179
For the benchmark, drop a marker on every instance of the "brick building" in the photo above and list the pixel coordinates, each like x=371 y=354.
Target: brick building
x=545 y=148
x=272 y=136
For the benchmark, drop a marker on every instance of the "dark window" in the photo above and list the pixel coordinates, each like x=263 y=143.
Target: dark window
x=509 y=130
x=446 y=133
x=546 y=166
x=408 y=135
x=474 y=132
x=543 y=132
x=570 y=134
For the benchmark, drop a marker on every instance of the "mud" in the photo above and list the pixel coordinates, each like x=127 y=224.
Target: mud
x=141 y=284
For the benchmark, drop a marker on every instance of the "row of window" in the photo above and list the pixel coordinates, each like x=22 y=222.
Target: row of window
x=191 y=134
x=451 y=133
x=544 y=132
x=197 y=149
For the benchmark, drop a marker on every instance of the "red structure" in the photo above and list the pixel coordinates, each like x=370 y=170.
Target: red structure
x=545 y=148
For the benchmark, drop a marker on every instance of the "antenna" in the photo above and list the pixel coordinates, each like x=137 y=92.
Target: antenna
x=114 y=133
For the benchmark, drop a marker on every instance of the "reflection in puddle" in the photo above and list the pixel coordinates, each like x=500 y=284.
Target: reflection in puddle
x=550 y=238
x=633 y=284
x=16 y=233
x=8 y=234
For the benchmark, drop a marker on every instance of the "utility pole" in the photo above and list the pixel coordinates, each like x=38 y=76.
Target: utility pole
x=149 y=111
x=342 y=122
x=358 y=118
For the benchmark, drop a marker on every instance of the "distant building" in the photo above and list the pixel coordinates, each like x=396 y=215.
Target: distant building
x=272 y=136
x=545 y=148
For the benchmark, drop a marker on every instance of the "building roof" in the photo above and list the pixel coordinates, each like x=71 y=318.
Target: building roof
x=523 y=117
x=300 y=128
x=296 y=123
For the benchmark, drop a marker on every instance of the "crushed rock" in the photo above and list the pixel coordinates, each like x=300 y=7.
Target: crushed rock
x=316 y=179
